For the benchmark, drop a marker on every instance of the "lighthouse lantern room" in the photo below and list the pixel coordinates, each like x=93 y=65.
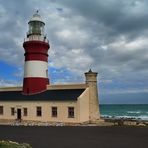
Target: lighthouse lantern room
x=36 y=47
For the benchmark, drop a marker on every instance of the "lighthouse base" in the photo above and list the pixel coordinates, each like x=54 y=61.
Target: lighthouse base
x=34 y=85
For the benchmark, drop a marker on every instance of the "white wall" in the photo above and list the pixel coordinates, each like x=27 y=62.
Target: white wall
x=46 y=110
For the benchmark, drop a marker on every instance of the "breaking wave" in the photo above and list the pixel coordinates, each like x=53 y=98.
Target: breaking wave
x=133 y=112
x=141 y=117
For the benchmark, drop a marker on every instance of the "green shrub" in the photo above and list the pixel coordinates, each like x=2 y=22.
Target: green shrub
x=11 y=144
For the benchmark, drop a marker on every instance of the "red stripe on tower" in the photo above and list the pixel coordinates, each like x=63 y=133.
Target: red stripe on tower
x=36 y=57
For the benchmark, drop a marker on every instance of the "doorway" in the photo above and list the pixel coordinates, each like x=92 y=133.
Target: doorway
x=19 y=114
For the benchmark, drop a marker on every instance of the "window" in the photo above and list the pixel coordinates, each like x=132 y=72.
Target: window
x=12 y=111
x=25 y=111
x=1 y=110
x=46 y=73
x=39 y=111
x=70 y=112
x=54 y=111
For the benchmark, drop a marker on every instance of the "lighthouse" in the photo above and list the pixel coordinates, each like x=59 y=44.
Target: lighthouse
x=36 y=47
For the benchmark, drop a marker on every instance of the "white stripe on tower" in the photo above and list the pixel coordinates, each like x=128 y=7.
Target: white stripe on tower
x=36 y=69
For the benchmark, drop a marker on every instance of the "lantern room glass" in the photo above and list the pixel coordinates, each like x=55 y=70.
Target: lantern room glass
x=36 y=28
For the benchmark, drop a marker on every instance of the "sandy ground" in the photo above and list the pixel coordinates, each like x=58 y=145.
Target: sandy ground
x=77 y=137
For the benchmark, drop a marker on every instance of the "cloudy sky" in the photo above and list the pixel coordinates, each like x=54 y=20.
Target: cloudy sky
x=108 y=36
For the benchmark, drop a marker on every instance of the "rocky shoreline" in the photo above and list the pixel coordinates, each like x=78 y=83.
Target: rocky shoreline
x=126 y=121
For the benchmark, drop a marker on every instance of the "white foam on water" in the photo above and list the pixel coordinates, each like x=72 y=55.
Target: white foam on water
x=144 y=117
x=107 y=116
x=125 y=117
x=141 y=117
x=134 y=112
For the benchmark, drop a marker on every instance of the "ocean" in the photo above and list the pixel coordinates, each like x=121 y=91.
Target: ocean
x=125 y=111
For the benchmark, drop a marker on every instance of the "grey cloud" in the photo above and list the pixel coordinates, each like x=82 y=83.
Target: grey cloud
x=122 y=17
x=92 y=27
x=105 y=24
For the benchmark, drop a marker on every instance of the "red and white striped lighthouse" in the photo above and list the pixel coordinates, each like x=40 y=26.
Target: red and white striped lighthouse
x=36 y=48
